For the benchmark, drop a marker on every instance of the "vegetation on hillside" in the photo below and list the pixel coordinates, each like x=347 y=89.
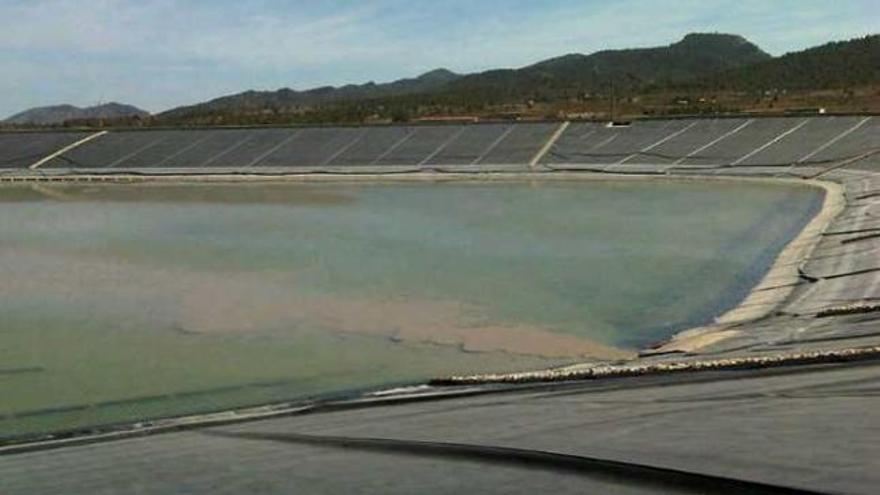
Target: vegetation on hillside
x=838 y=65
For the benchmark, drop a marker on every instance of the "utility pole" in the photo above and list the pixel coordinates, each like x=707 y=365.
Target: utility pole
x=611 y=112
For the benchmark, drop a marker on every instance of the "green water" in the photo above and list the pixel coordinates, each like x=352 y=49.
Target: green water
x=124 y=303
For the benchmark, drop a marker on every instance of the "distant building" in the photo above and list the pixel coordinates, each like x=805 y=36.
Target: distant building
x=580 y=116
x=453 y=119
x=807 y=111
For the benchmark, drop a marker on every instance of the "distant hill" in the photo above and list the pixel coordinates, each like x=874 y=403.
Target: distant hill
x=696 y=55
x=290 y=100
x=838 y=65
x=59 y=114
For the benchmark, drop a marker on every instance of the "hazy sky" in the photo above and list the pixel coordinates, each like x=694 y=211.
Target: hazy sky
x=157 y=54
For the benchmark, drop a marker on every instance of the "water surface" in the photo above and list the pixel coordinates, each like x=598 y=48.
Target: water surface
x=123 y=303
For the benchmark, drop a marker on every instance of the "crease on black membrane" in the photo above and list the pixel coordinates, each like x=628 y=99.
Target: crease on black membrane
x=626 y=473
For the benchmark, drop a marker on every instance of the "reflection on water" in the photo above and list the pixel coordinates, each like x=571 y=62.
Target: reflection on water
x=254 y=193
x=153 y=300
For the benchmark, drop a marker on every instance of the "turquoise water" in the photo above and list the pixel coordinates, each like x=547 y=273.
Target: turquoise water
x=125 y=303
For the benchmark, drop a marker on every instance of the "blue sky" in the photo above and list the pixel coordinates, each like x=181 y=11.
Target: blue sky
x=158 y=54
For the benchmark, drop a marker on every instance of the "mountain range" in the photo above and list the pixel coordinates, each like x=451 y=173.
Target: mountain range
x=699 y=62
x=290 y=99
x=697 y=54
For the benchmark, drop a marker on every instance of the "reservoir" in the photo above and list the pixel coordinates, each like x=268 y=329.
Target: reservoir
x=122 y=303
